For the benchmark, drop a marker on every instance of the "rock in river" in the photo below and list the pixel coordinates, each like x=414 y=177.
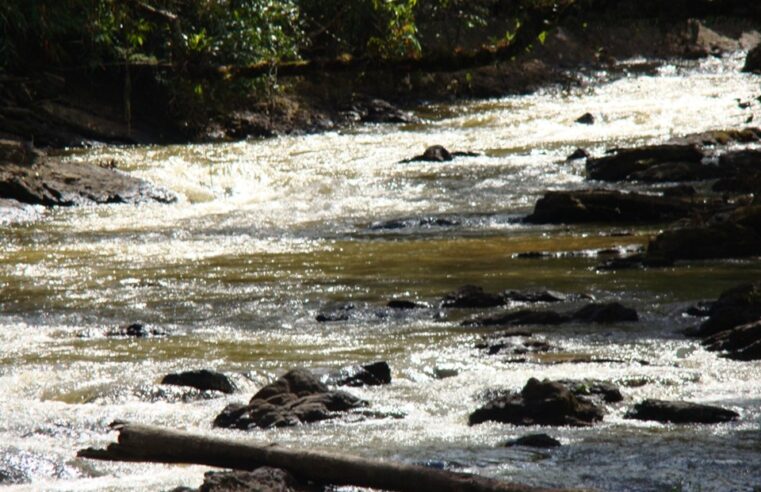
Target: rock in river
x=438 y=153
x=741 y=342
x=753 y=60
x=471 y=296
x=539 y=403
x=736 y=306
x=294 y=398
x=569 y=207
x=680 y=412
x=372 y=374
x=262 y=479
x=624 y=162
x=610 y=312
x=534 y=441
x=202 y=379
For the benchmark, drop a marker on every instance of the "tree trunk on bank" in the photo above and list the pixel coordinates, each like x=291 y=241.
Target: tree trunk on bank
x=143 y=443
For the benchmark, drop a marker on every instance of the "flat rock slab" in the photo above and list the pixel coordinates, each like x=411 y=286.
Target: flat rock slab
x=539 y=403
x=680 y=412
x=296 y=397
x=590 y=206
x=51 y=182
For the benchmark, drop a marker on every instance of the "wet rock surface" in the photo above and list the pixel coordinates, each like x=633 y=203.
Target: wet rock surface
x=622 y=163
x=202 y=379
x=534 y=441
x=372 y=374
x=263 y=479
x=608 y=392
x=588 y=206
x=423 y=222
x=438 y=153
x=742 y=342
x=334 y=313
x=753 y=60
x=294 y=398
x=680 y=412
x=612 y=312
x=471 y=296
x=136 y=330
x=58 y=183
x=404 y=304
x=539 y=403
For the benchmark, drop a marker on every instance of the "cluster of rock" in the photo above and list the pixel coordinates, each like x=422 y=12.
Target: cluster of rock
x=581 y=403
x=733 y=324
x=725 y=223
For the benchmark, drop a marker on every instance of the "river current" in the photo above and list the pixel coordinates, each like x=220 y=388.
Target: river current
x=266 y=233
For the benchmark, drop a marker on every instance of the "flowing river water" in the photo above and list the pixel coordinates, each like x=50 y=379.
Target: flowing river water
x=266 y=233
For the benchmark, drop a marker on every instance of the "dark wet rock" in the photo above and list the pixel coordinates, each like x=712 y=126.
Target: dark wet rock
x=679 y=191
x=586 y=119
x=610 y=312
x=263 y=479
x=534 y=441
x=380 y=111
x=636 y=261
x=294 y=398
x=61 y=183
x=718 y=138
x=522 y=317
x=676 y=171
x=680 y=412
x=578 y=154
x=471 y=296
x=534 y=296
x=624 y=162
x=373 y=374
x=608 y=392
x=740 y=162
x=426 y=222
x=531 y=255
x=539 y=403
x=437 y=153
x=332 y=314
x=724 y=240
x=202 y=379
x=742 y=342
x=747 y=183
x=753 y=60
x=736 y=306
x=701 y=309
x=136 y=330
x=404 y=304
x=558 y=207
x=17 y=152
x=500 y=344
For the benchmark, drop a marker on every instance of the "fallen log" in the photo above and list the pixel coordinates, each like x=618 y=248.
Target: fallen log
x=142 y=443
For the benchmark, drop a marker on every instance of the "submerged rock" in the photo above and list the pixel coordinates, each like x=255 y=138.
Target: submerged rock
x=294 y=398
x=404 y=304
x=334 y=313
x=610 y=312
x=680 y=412
x=539 y=403
x=136 y=330
x=202 y=379
x=534 y=296
x=534 y=441
x=373 y=374
x=471 y=296
x=522 y=317
x=425 y=222
x=568 y=207
x=579 y=153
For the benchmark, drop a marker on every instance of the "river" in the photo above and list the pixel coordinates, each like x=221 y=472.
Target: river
x=266 y=233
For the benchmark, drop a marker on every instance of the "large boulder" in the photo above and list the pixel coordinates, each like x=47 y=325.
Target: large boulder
x=539 y=403
x=741 y=342
x=202 y=379
x=736 y=306
x=680 y=412
x=568 y=207
x=723 y=240
x=624 y=162
x=604 y=390
x=609 y=312
x=62 y=183
x=294 y=398
x=753 y=60
x=521 y=317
